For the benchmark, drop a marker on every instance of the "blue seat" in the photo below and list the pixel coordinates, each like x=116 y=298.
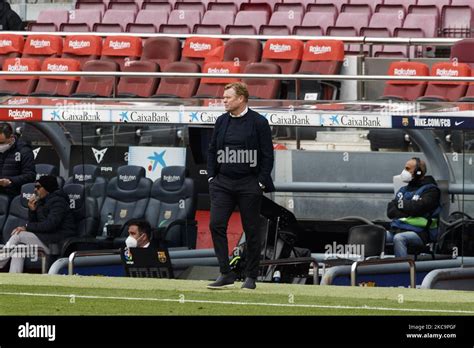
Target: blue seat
x=88 y=175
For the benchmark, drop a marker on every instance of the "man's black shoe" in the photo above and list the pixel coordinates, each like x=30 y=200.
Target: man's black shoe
x=249 y=284
x=224 y=281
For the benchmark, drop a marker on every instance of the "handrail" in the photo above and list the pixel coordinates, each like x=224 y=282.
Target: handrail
x=85 y=253
x=249 y=76
x=370 y=262
x=347 y=39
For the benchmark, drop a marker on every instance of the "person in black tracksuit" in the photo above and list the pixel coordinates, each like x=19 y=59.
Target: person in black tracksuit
x=50 y=220
x=240 y=161
x=9 y=19
x=17 y=166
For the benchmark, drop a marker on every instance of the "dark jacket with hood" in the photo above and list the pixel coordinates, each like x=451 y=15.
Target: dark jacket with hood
x=428 y=202
x=259 y=138
x=52 y=221
x=17 y=164
x=9 y=19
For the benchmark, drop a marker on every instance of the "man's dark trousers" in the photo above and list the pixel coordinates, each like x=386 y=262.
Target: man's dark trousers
x=225 y=194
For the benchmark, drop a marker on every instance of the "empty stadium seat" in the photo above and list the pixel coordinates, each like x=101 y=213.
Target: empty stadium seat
x=11 y=46
x=315 y=20
x=88 y=175
x=42 y=46
x=134 y=87
x=457 y=21
x=115 y=21
x=195 y=49
x=223 y=6
x=427 y=10
x=158 y=6
x=172 y=207
x=357 y=8
x=337 y=3
x=63 y=86
x=214 y=87
x=463 y=52
x=286 y=53
x=93 y=5
x=388 y=21
x=82 y=20
x=321 y=57
x=289 y=7
x=263 y=88
x=161 y=50
x=181 y=21
x=248 y=22
x=404 y=3
x=261 y=6
x=182 y=87
x=121 y=49
x=97 y=86
x=148 y=21
x=394 y=9
x=348 y=24
x=49 y=20
x=328 y=9
x=123 y=6
x=282 y=23
x=19 y=85
x=214 y=22
x=405 y=90
x=447 y=90
x=82 y=48
x=127 y=196
x=242 y=51
x=429 y=27
x=190 y=6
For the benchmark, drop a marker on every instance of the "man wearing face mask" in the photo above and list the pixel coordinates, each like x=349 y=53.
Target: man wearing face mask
x=414 y=210
x=49 y=221
x=139 y=234
x=17 y=165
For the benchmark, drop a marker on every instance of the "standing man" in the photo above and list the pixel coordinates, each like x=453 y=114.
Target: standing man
x=239 y=166
x=17 y=166
x=414 y=210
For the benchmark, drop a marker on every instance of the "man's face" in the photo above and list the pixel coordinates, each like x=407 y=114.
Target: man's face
x=40 y=191
x=133 y=232
x=4 y=140
x=232 y=102
x=410 y=166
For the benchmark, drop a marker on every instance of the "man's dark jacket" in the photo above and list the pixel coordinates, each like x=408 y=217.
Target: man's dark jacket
x=17 y=164
x=9 y=19
x=52 y=220
x=259 y=138
x=427 y=203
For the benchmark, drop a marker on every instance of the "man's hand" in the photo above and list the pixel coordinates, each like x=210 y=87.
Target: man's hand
x=5 y=182
x=18 y=230
x=32 y=203
x=142 y=241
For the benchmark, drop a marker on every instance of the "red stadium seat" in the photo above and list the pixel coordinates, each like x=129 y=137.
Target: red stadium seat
x=195 y=49
x=82 y=48
x=190 y=6
x=142 y=87
x=286 y=53
x=263 y=88
x=179 y=87
x=447 y=90
x=404 y=3
x=49 y=20
x=97 y=86
x=121 y=49
x=405 y=90
x=82 y=20
x=214 y=22
x=463 y=52
x=62 y=86
x=95 y=5
x=124 y=6
x=11 y=46
x=457 y=21
x=19 y=85
x=223 y=6
x=148 y=21
x=179 y=19
x=243 y=51
x=42 y=46
x=282 y=23
x=214 y=87
x=161 y=50
x=115 y=21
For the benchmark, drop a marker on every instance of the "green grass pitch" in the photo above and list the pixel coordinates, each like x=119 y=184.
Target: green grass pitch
x=28 y=294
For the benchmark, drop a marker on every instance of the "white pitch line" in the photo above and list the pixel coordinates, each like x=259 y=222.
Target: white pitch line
x=237 y=303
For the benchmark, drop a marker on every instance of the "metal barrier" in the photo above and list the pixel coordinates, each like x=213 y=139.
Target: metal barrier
x=410 y=262
x=85 y=253
x=295 y=261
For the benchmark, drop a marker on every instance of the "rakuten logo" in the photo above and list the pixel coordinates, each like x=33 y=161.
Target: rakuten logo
x=6 y=43
x=17 y=114
x=57 y=67
x=198 y=47
x=404 y=72
x=40 y=43
x=119 y=45
x=320 y=49
x=171 y=178
x=76 y=44
x=127 y=178
x=277 y=48
x=218 y=71
x=18 y=68
x=447 y=72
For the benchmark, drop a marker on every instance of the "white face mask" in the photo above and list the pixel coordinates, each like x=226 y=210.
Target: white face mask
x=5 y=147
x=131 y=242
x=406 y=176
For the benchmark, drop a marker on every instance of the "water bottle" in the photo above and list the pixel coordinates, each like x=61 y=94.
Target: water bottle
x=276 y=276
x=110 y=221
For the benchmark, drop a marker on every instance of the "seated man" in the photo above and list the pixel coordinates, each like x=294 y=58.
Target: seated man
x=414 y=209
x=139 y=234
x=49 y=221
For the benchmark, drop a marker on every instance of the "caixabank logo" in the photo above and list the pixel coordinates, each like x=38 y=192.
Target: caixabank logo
x=207 y=117
x=65 y=115
x=354 y=121
x=145 y=116
x=292 y=119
